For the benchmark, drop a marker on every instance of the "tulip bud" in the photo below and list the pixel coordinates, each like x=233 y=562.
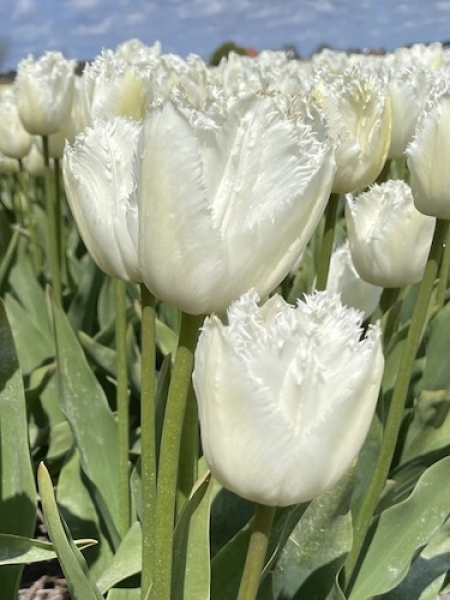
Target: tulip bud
x=15 y=141
x=344 y=279
x=428 y=155
x=286 y=395
x=389 y=238
x=100 y=187
x=229 y=198
x=44 y=92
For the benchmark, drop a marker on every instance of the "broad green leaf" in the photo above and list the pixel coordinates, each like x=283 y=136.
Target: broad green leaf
x=93 y=425
x=106 y=358
x=74 y=567
x=82 y=312
x=79 y=512
x=126 y=562
x=191 y=571
x=15 y=550
x=403 y=530
x=17 y=487
x=124 y=594
x=33 y=339
x=317 y=547
x=427 y=573
x=436 y=375
x=430 y=428
x=29 y=292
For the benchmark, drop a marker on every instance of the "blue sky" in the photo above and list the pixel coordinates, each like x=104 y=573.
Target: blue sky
x=81 y=28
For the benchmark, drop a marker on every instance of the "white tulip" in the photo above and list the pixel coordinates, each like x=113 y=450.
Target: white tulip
x=98 y=177
x=228 y=199
x=408 y=87
x=344 y=279
x=8 y=165
x=389 y=238
x=428 y=155
x=115 y=87
x=358 y=111
x=15 y=141
x=44 y=92
x=286 y=395
x=34 y=163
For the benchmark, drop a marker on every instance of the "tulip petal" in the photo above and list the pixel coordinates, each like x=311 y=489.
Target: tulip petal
x=176 y=231
x=99 y=184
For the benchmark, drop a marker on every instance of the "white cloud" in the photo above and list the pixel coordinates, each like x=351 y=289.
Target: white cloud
x=97 y=28
x=82 y=5
x=22 y=8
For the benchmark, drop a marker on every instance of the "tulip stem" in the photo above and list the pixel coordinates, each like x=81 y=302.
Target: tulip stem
x=148 y=438
x=398 y=400
x=53 y=226
x=256 y=553
x=169 y=457
x=59 y=219
x=327 y=242
x=443 y=274
x=122 y=404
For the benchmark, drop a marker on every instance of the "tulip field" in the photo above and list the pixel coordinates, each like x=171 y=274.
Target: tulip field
x=225 y=326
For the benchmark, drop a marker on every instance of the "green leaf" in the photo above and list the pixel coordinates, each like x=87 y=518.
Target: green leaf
x=79 y=512
x=317 y=547
x=82 y=311
x=427 y=572
x=74 y=567
x=430 y=428
x=191 y=573
x=8 y=259
x=436 y=375
x=33 y=338
x=93 y=425
x=15 y=549
x=126 y=562
x=17 y=488
x=402 y=530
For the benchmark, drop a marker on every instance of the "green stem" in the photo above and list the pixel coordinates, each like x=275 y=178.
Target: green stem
x=327 y=242
x=188 y=466
x=59 y=219
x=256 y=553
x=398 y=399
x=174 y=418
x=443 y=274
x=391 y=306
x=148 y=438
x=122 y=404
x=53 y=226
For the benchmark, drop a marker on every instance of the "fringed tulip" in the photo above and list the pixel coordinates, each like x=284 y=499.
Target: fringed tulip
x=389 y=238
x=344 y=279
x=228 y=199
x=15 y=141
x=97 y=173
x=286 y=395
x=429 y=155
x=44 y=92
x=358 y=111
